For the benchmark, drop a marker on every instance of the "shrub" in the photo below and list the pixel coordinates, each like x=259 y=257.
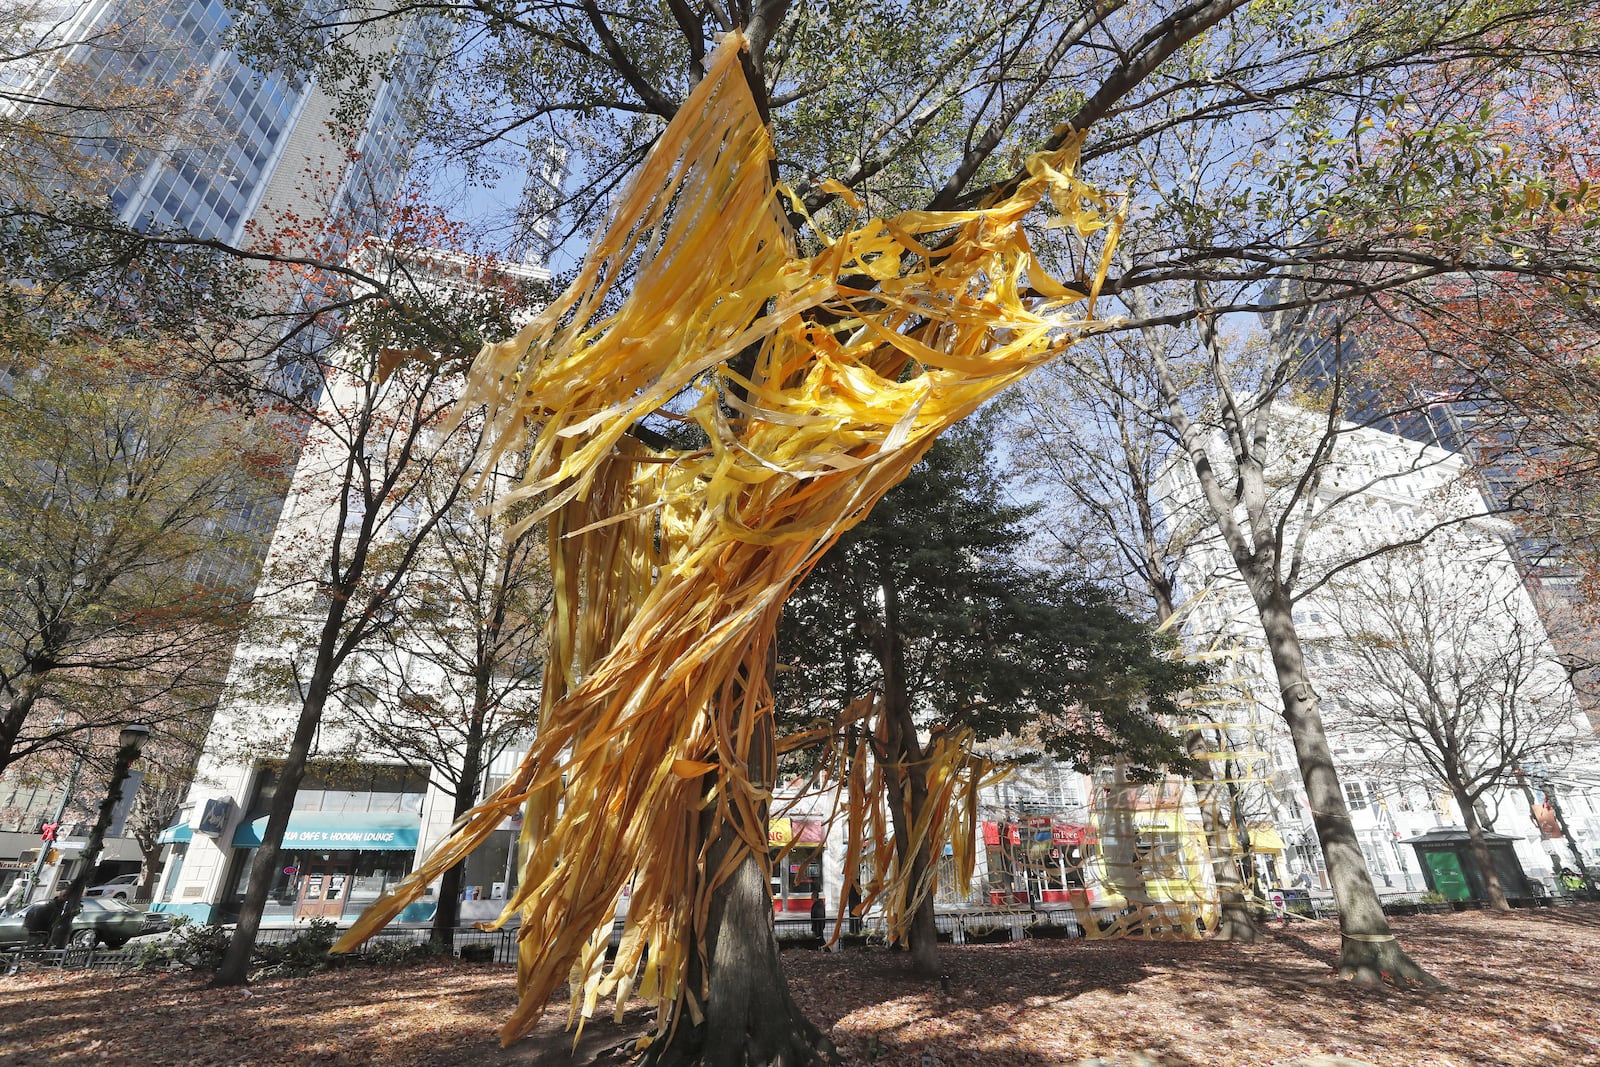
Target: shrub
x=477 y=952
x=198 y=946
x=391 y=952
x=303 y=954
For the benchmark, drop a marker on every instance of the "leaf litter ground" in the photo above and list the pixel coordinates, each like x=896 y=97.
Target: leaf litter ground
x=1523 y=993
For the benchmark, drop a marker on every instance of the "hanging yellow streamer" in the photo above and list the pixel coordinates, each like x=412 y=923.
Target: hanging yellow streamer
x=671 y=568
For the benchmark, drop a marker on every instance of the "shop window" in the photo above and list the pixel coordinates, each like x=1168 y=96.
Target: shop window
x=491 y=865
x=241 y=879
x=174 y=870
x=344 y=788
x=1159 y=855
x=803 y=868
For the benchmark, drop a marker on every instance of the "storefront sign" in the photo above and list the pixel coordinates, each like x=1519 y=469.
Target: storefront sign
x=331 y=832
x=341 y=838
x=214 y=818
x=779 y=832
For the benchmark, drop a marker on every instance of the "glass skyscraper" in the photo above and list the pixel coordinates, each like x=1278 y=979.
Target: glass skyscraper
x=242 y=141
x=217 y=146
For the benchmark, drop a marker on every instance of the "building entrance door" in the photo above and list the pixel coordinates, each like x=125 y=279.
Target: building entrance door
x=323 y=890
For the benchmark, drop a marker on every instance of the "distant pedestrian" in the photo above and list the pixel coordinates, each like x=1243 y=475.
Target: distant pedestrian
x=38 y=919
x=14 y=895
x=854 y=901
x=819 y=916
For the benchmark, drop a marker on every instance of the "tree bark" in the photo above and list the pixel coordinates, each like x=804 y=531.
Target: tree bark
x=1368 y=952
x=149 y=875
x=905 y=808
x=910 y=799
x=235 y=969
x=16 y=716
x=1233 y=921
x=749 y=1016
x=61 y=931
x=447 y=916
x=1492 y=889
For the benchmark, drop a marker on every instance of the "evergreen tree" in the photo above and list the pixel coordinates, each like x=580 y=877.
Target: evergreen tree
x=931 y=604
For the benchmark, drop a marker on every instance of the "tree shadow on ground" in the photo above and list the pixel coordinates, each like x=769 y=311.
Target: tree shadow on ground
x=1522 y=995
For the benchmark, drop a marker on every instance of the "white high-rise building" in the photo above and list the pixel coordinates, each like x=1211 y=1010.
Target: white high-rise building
x=365 y=812
x=1460 y=592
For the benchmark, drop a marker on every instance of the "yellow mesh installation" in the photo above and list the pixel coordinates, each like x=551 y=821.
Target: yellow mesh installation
x=1236 y=726
x=1139 y=860
x=953 y=777
x=671 y=567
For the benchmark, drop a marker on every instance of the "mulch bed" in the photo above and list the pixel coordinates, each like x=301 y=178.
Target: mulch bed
x=1523 y=993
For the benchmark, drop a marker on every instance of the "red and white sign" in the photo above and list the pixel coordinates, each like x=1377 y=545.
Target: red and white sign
x=1068 y=833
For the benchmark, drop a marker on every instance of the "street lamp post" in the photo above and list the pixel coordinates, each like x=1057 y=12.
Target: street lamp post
x=129 y=743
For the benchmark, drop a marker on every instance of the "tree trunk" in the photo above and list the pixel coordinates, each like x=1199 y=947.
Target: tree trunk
x=1369 y=953
x=150 y=875
x=447 y=916
x=1233 y=921
x=235 y=969
x=15 y=716
x=911 y=799
x=61 y=932
x=1492 y=889
x=922 y=932
x=749 y=1016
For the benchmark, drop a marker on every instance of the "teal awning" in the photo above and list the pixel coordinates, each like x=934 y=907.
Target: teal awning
x=177 y=832
x=332 y=831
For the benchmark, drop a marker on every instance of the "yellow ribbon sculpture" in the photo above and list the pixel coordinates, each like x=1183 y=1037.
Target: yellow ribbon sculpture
x=671 y=568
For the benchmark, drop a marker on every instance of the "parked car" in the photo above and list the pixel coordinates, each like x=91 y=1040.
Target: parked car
x=119 y=888
x=102 y=921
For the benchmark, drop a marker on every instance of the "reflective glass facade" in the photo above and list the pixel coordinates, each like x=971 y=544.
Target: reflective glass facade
x=236 y=121
x=235 y=130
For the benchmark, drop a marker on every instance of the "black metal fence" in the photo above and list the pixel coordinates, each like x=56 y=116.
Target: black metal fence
x=18 y=959
x=975 y=926
x=497 y=945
